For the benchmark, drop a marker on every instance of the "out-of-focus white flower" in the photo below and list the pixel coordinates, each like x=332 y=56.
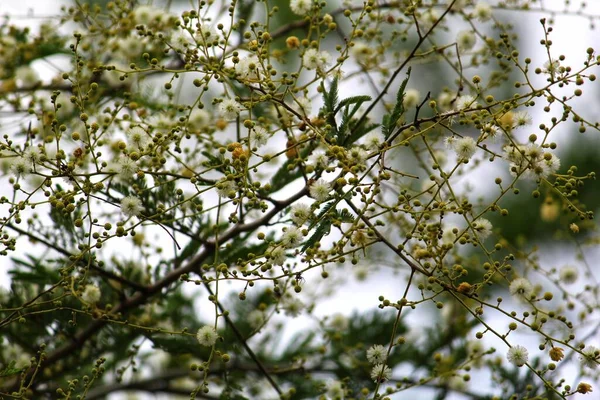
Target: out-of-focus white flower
x=20 y=166
x=131 y=206
x=300 y=213
x=381 y=373
x=590 y=357
x=125 y=167
x=91 y=294
x=465 y=102
x=277 y=255
x=483 y=11
x=339 y=322
x=198 y=119
x=226 y=188
x=361 y=51
x=314 y=59
x=569 y=274
x=336 y=390
x=318 y=159
x=248 y=67
x=300 y=7
x=357 y=155
x=256 y=318
x=292 y=306
x=522 y=118
x=292 y=237
x=207 y=336
x=229 y=108
x=517 y=355
x=373 y=140
x=305 y=105
x=466 y=40
x=146 y=15
x=26 y=77
x=411 y=98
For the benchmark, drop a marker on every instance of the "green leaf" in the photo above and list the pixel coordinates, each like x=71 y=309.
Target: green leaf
x=10 y=370
x=390 y=120
x=352 y=100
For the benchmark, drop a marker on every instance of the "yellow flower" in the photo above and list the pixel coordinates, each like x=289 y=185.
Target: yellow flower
x=557 y=353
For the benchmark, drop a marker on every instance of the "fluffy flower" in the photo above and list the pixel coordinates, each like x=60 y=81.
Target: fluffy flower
x=292 y=306
x=517 y=355
x=314 y=59
x=256 y=318
x=381 y=373
x=277 y=255
x=207 y=336
x=335 y=390
x=464 y=147
x=483 y=228
x=125 y=167
x=338 y=322
x=483 y=11
x=300 y=7
x=198 y=119
x=247 y=67
x=569 y=274
x=318 y=159
x=300 y=213
x=292 y=237
x=411 y=98
x=521 y=287
x=361 y=51
x=229 y=108
x=146 y=14
x=20 y=166
x=465 y=102
x=91 y=294
x=522 y=118
x=590 y=357
x=259 y=136
x=26 y=77
x=357 y=155
x=490 y=132
x=32 y=154
x=376 y=354
x=138 y=137
x=131 y=206
x=466 y=40
x=319 y=190
x=226 y=188
x=373 y=140
x=304 y=104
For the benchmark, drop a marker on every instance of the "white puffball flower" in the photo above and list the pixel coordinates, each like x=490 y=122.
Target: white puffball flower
x=318 y=159
x=138 y=137
x=256 y=318
x=373 y=140
x=277 y=255
x=259 y=136
x=32 y=154
x=376 y=354
x=483 y=11
x=229 y=109
x=247 y=67
x=361 y=51
x=464 y=147
x=339 y=322
x=26 y=77
x=145 y=14
x=357 y=155
x=292 y=306
x=125 y=167
x=305 y=105
x=91 y=294
x=131 y=206
x=517 y=355
x=300 y=7
x=314 y=59
x=411 y=98
x=465 y=102
x=198 y=119
x=20 y=167
x=466 y=40
x=569 y=274
x=381 y=373
x=335 y=390
x=300 y=213
x=521 y=287
x=292 y=237
x=207 y=336
x=319 y=190
x=226 y=188
x=590 y=357
x=522 y=118
x=483 y=228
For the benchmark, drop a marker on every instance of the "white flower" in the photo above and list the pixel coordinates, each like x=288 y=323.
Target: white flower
x=91 y=294
x=444 y=100
x=483 y=228
x=300 y=213
x=305 y=105
x=198 y=119
x=207 y=336
x=314 y=59
x=256 y=318
x=292 y=306
x=361 y=51
x=277 y=255
x=517 y=355
x=521 y=287
x=26 y=77
x=357 y=155
x=292 y=237
x=381 y=373
x=318 y=159
x=20 y=166
x=131 y=206
x=300 y=7
x=138 y=137
x=32 y=154
x=465 y=102
x=259 y=136
x=226 y=188
x=247 y=67
x=373 y=140
x=336 y=390
x=522 y=118
x=339 y=322
x=411 y=98
x=319 y=190
x=229 y=108
x=125 y=167
x=490 y=131
x=590 y=357
x=145 y=15
x=376 y=354
x=552 y=66
x=466 y=40
x=464 y=147
x=569 y=274
x=483 y=11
